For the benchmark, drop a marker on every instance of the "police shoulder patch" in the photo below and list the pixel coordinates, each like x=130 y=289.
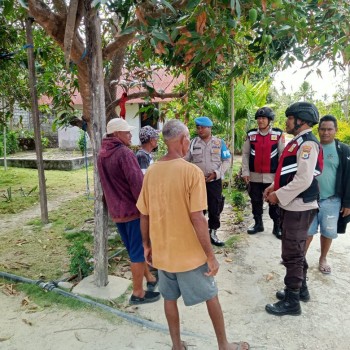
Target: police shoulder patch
x=305 y=152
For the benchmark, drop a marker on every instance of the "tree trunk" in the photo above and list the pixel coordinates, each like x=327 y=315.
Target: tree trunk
x=98 y=126
x=232 y=108
x=36 y=124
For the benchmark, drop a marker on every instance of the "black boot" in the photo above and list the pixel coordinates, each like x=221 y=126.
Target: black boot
x=258 y=227
x=290 y=305
x=277 y=229
x=304 y=294
x=214 y=238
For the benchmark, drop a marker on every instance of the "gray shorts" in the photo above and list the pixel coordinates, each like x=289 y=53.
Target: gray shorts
x=193 y=285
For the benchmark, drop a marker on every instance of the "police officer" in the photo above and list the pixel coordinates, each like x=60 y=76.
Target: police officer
x=295 y=189
x=211 y=155
x=260 y=154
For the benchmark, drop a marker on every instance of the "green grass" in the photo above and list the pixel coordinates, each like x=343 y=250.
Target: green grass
x=21 y=181
x=40 y=251
x=231 y=242
x=43 y=299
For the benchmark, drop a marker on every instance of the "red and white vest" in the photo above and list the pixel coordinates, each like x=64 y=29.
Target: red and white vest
x=263 y=156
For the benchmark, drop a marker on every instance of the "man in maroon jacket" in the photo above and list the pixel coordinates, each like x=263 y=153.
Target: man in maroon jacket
x=121 y=180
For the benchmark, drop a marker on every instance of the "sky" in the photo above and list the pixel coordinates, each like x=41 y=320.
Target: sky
x=293 y=77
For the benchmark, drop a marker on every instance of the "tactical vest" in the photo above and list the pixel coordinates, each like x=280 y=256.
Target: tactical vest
x=287 y=167
x=263 y=157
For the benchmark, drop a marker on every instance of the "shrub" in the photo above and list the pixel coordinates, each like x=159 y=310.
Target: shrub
x=343 y=133
x=82 y=142
x=238 y=199
x=80 y=259
x=11 y=143
x=238 y=182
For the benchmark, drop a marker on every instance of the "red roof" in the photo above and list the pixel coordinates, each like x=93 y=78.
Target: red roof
x=161 y=81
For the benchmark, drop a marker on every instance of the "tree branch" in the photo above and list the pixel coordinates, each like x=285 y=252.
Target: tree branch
x=60 y=7
x=143 y=94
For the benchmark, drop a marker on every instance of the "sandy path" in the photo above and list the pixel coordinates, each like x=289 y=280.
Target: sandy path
x=247 y=280
x=8 y=221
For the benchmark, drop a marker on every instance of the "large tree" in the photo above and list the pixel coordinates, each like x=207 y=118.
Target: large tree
x=210 y=38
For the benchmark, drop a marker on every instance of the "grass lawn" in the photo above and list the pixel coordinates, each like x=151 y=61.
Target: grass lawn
x=41 y=251
x=19 y=187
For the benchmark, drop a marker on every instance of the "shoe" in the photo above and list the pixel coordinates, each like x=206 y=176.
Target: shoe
x=149 y=297
x=277 y=230
x=151 y=286
x=258 y=226
x=304 y=294
x=290 y=305
x=214 y=238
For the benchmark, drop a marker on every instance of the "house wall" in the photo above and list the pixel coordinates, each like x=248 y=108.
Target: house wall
x=68 y=136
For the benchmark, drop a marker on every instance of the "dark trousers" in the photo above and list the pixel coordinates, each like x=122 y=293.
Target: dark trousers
x=295 y=225
x=215 y=203
x=255 y=191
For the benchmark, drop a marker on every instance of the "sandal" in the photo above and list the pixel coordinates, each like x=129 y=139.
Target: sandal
x=325 y=269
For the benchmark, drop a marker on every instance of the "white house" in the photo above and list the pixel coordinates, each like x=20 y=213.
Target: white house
x=68 y=137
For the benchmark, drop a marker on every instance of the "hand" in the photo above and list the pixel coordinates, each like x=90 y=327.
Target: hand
x=210 y=177
x=345 y=211
x=246 y=179
x=148 y=255
x=213 y=267
x=267 y=191
x=272 y=198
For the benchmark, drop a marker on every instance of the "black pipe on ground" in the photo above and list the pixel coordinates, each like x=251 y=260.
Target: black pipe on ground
x=52 y=287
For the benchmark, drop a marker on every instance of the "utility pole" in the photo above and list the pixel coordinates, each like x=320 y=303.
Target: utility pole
x=36 y=122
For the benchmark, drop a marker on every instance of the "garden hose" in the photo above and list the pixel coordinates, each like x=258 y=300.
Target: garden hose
x=53 y=287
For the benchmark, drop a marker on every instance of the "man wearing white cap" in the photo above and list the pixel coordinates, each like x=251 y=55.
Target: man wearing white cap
x=121 y=180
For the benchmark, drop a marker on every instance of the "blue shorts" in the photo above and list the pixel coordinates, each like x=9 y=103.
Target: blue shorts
x=132 y=239
x=193 y=285
x=327 y=218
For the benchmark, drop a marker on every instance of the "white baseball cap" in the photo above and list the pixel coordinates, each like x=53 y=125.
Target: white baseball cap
x=118 y=124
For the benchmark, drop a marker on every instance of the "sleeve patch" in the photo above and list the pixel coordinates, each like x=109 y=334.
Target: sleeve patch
x=305 y=152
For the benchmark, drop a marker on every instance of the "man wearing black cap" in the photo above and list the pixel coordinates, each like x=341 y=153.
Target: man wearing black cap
x=295 y=190
x=260 y=154
x=212 y=156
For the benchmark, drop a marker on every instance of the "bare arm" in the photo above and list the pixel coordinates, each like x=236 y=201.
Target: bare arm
x=200 y=225
x=245 y=161
x=144 y=224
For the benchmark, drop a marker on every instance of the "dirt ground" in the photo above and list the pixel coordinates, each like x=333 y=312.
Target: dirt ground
x=247 y=280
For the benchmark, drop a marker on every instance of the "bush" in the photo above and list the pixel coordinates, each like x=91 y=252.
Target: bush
x=82 y=142
x=238 y=182
x=343 y=133
x=11 y=143
x=80 y=259
x=238 y=199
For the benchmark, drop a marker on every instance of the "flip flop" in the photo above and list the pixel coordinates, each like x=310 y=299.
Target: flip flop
x=241 y=344
x=325 y=269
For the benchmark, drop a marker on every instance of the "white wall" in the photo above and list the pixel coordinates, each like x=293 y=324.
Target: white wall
x=131 y=110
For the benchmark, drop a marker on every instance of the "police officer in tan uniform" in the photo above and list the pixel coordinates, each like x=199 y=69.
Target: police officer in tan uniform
x=212 y=156
x=295 y=190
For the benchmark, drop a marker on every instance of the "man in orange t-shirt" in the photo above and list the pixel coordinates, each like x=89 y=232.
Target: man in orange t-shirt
x=175 y=235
